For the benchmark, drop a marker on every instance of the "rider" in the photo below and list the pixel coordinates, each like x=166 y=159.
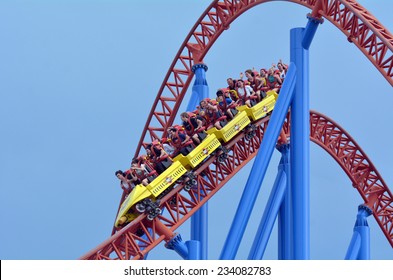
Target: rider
x=180 y=141
x=193 y=125
x=244 y=91
x=139 y=172
x=158 y=157
x=211 y=113
x=127 y=182
x=225 y=103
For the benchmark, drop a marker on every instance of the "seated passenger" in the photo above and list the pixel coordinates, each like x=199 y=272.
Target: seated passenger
x=262 y=82
x=244 y=92
x=180 y=141
x=148 y=165
x=211 y=113
x=226 y=104
x=126 y=180
x=167 y=147
x=254 y=83
x=232 y=87
x=193 y=125
x=231 y=84
x=273 y=81
x=158 y=157
x=282 y=68
x=139 y=172
x=263 y=73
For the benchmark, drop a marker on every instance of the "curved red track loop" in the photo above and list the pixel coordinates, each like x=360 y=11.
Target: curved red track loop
x=180 y=205
x=363 y=174
x=360 y=27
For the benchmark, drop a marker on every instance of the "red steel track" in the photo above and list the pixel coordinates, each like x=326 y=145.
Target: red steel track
x=180 y=205
x=360 y=27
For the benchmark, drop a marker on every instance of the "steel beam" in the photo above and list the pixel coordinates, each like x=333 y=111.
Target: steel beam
x=199 y=221
x=270 y=214
x=259 y=167
x=284 y=215
x=359 y=248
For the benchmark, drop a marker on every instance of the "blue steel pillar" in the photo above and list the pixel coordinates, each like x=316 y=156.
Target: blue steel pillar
x=311 y=29
x=200 y=89
x=284 y=216
x=259 y=167
x=359 y=248
x=271 y=211
x=300 y=139
x=199 y=228
x=300 y=149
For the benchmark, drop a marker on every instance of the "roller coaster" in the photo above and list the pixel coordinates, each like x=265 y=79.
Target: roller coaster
x=143 y=199
x=169 y=200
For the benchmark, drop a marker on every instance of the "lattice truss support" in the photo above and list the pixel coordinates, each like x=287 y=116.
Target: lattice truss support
x=363 y=174
x=139 y=237
x=358 y=25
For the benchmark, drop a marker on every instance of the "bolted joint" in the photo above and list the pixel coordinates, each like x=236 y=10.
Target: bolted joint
x=172 y=244
x=363 y=212
x=196 y=66
x=315 y=19
x=282 y=147
x=176 y=243
x=367 y=209
x=284 y=150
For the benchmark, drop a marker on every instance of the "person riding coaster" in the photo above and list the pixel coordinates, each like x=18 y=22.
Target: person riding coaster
x=179 y=140
x=247 y=95
x=126 y=181
x=226 y=104
x=158 y=157
x=194 y=126
x=140 y=173
x=214 y=117
x=254 y=82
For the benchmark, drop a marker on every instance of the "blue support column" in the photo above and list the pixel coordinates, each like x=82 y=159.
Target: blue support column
x=309 y=32
x=284 y=216
x=270 y=214
x=359 y=248
x=354 y=247
x=300 y=139
x=300 y=149
x=199 y=228
x=258 y=170
x=364 y=231
x=200 y=89
x=194 y=250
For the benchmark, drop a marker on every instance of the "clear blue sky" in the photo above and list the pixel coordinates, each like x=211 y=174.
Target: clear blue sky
x=77 y=80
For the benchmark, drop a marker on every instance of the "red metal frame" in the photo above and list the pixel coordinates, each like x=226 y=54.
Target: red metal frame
x=180 y=205
x=360 y=27
x=363 y=174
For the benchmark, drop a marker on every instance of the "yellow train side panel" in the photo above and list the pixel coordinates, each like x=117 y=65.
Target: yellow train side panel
x=261 y=109
x=272 y=93
x=166 y=178
x=200 y=153
x=155 y=188
x=245 y=108
x=239 y=122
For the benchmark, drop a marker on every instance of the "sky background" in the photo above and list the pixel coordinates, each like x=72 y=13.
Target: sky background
x=77 y=81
